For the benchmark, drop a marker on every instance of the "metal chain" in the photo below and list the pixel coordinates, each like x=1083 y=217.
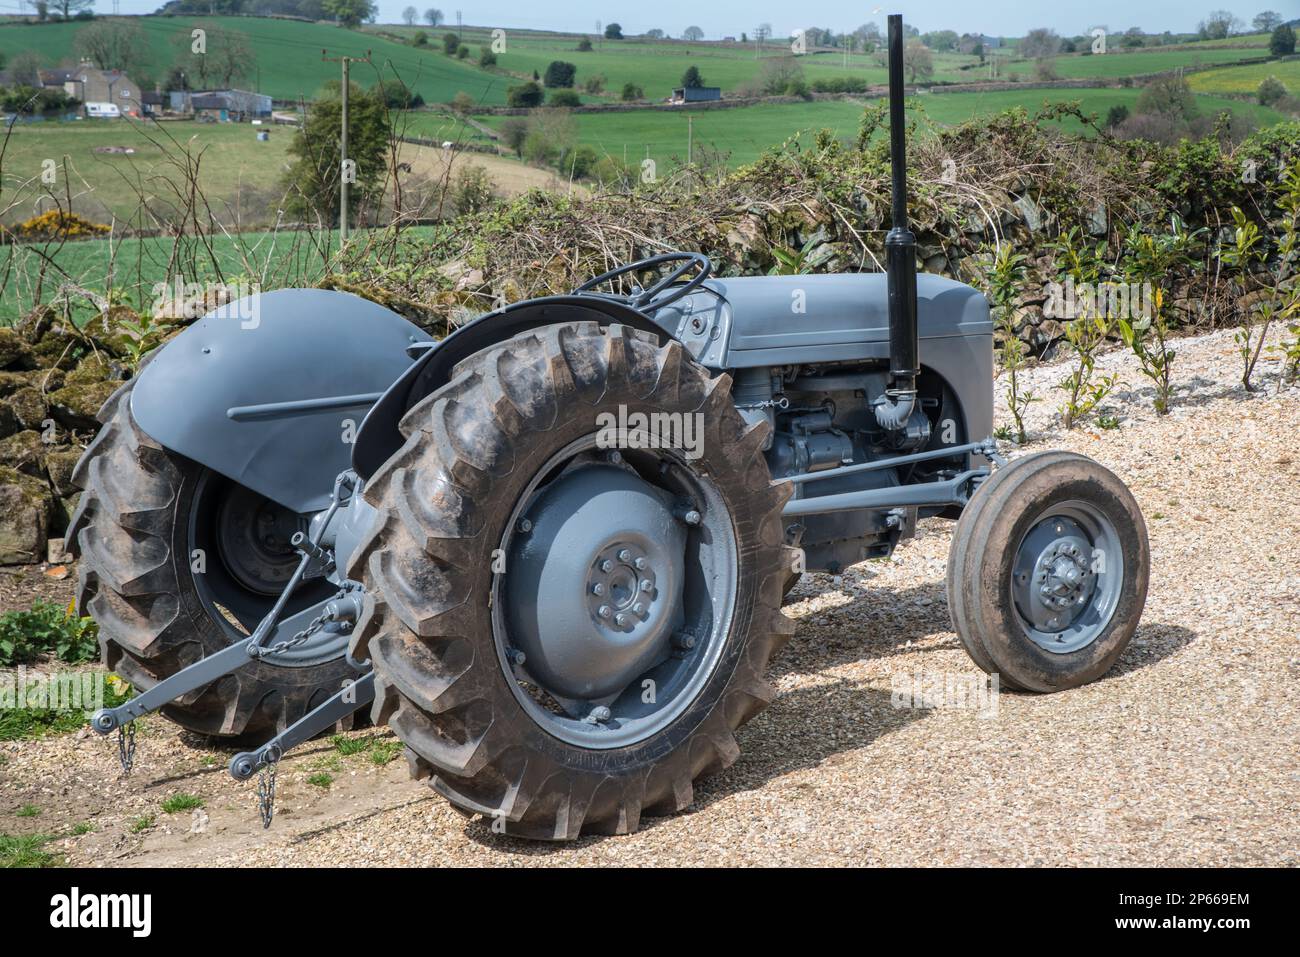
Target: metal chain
x=126 y=746
x=266 y=793
x=283 y=646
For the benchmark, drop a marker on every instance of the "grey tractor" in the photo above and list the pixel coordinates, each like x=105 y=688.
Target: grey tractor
x=550 y=550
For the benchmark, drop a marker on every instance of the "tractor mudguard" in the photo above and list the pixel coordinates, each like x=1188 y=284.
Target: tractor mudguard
x=379 y=436
x=269 y=390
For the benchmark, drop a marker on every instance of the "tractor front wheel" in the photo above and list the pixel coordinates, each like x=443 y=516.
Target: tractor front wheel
x=1048 y=571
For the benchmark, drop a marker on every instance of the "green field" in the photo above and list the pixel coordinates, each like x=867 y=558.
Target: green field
x=271 y=260
x=239 y=175
x=745 y=132
x=1136 y=63
x=287 y=54
x=1246 y=79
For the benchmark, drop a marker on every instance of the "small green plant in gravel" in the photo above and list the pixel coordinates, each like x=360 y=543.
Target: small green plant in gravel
x=82 y=827
x=1082 y=261
x=21 y=723
x=46 y=629
x=1246 y=250
x=142 y=823
x=321 y=780
x=181 y=802
x=28 y=810
x=349 y=746
x=1005 y=275
x=385 y=751
x=27 y=850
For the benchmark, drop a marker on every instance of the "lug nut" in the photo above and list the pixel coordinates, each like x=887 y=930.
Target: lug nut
x=640 y=564
x=624 y=555
x=607 y=566
x=620 y=620
x=524 y=525
x=604 y=611
x=598 y=589
x=684 y=639
x=692 y=517
x=639 y=608
x=646 y=584
x=616 y=457
x=516 y=656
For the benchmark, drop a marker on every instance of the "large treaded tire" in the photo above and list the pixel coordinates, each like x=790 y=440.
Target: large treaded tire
x=979 y=570
x=442 y=501
x=131 y=533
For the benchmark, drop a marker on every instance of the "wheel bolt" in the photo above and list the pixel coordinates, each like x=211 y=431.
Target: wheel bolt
x=624 y=555
x=616 y=457
x=525 y=525
x=684 y=639
x=607 y=566
x=639 y=608
x=598 y=589
x=620 y=620
x=516 y=656
x=692 y=517
x=646 y=584
x=640 y=564
x=604 y=611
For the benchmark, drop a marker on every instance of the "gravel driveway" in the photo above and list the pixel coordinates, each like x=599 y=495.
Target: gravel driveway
x=1185 y=754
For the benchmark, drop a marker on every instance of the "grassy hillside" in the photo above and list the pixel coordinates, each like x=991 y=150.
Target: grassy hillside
x=288 y=55
x=1246 y=79
x=747 y=131
x=238 y=174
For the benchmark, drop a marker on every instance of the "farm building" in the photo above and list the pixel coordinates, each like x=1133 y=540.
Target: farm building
x=695 y=94
x=225 y=106
x=89 y=84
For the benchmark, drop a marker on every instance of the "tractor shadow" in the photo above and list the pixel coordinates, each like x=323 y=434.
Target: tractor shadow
x=830 y=716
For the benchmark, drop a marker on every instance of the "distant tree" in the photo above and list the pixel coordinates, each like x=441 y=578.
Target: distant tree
x=486 y=57
x=584 y=45
x=1266 y=21
x=70 y=8
x=350 y=13
x=1116 y=115
x=1133 y=38
x=613 y=32
x=514 y=130
x=1168 y=96
x=409 y=15
x=450 y=43
x=655 y=34
x=565 y=98
x=781 y=76
x=1282 y=42
x=462 y=52
x=113 y=45
x=693 y=34
x=1040 y=42
x=1068 y=45
x=25 y=69
x=1270 y=91
x=940 y=40
x=1218 y=25
x=42 y=10
x=421 y=39
x=433 y=16
x=462 y=103
x=312 y=179
x=692 y=79
x=595 y=83
x=917 y=62
x=525 y=95
x=559 y=74
x=1045 y=69
x=632 y=92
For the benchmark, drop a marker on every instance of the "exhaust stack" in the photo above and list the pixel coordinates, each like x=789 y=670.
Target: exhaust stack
x=894 y=408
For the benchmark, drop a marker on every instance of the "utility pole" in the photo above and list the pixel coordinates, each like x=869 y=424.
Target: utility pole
x=345 y=172
x=690 y=131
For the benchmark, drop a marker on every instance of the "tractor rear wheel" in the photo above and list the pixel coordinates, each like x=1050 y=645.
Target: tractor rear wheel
x=1047 y=575
x=176 y=563
x=567 y=623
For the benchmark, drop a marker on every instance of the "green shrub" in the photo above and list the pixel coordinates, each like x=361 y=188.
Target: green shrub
x=559 y=74
x=450 y=43
x=565 y=98
x=486 y=57
x=46 y=629
x=525 y=95
x=632 y=92
x=1270 y=91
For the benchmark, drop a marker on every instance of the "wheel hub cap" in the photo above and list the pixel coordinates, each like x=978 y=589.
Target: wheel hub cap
x=594 y=584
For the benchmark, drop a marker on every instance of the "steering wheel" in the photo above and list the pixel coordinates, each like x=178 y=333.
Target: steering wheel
x=648 y=300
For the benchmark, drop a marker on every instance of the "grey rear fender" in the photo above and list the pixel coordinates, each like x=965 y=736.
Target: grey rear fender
x=270 y=391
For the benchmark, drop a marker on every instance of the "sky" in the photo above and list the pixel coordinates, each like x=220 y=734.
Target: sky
x=719 y=18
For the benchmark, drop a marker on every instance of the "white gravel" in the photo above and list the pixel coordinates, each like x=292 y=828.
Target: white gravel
x=1185 y=754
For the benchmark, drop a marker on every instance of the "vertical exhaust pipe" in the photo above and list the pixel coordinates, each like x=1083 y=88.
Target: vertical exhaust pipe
x=894 y=408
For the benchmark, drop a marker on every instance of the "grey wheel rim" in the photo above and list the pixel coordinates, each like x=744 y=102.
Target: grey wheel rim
x=1067 y=577
x=616 y=593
